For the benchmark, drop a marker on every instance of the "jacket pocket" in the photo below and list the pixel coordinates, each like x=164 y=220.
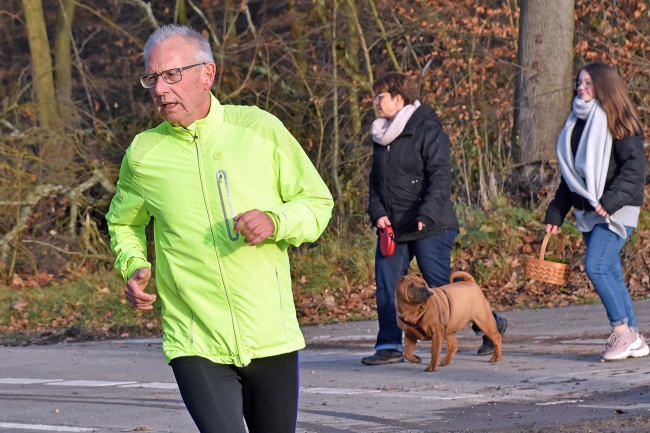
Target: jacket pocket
x=279 y=288
x=192 y=328
x=226 y=208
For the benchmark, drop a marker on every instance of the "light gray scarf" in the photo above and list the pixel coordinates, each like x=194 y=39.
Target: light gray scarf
x=586 y=174
x=385 y=131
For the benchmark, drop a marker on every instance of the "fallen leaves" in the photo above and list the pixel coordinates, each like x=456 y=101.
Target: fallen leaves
x=336 y=305
x=139 y=428
x=500 y=270
x=20 y=305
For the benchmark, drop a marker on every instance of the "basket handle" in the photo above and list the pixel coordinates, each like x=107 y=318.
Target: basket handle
x=558 y=251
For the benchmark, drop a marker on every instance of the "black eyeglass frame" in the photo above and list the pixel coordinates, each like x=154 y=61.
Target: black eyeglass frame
x=149 y=81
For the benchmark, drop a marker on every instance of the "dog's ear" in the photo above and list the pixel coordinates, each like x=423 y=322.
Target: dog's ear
x=401 y=282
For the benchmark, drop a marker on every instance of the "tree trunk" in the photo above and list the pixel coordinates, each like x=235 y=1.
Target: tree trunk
x=297 y=37
x=298 y=44
x=352 y=55
x=544 y=84
x=42 y=64
x=338 y=194
x=63 y=60
x=180 y=14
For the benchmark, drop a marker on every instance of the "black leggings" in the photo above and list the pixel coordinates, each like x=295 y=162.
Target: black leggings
x=220 y=396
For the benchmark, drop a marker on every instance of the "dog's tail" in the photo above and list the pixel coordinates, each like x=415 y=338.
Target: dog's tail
x=462 y=275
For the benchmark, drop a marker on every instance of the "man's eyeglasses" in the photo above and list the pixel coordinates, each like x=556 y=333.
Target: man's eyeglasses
x=377 y=98
x=586 y=83
x=170 y=76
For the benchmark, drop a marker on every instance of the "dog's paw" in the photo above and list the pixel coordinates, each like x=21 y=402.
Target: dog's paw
x=413 y=358
x=431 y=368
x=495 y=359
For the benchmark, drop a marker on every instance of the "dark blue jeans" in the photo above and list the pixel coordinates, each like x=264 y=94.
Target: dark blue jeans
x=604 y=269
x=433 y=255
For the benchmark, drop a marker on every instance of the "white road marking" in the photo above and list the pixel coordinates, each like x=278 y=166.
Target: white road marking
x=138 y=341
x=362 y=337
x=550 y=403
x=420 y=395
x=625 y=407
x=25 y=381
x=586 y=342
x=157 y=385
x=88 y=383
x=339 y=391
x=43 y=427
x=560 y=376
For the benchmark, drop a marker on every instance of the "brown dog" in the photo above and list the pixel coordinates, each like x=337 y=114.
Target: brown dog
x=433 y=314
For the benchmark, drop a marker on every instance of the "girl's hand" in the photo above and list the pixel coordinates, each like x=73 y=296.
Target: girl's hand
x=600 y=210
x=553 y=229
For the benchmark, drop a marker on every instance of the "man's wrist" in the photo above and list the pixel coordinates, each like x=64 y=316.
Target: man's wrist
x=276 y=223
x=133 y=264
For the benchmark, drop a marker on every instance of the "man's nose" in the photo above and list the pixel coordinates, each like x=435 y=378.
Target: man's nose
x=161 y=86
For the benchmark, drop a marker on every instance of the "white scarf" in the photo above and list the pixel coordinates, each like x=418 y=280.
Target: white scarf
x=385 y=131
x=586 y=174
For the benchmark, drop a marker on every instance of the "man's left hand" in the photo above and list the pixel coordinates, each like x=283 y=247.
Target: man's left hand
x=255 y=226
x=421 y=225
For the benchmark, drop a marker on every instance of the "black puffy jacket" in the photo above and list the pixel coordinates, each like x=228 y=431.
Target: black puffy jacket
x=623 y=186
x=410 y=180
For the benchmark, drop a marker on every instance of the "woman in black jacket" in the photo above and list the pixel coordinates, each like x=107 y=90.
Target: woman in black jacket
x=603 y=165
x=410 y=189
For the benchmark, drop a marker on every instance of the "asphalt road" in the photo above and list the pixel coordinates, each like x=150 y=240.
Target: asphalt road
x=549 y=380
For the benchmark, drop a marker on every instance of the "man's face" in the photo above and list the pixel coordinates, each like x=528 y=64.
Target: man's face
x=188 y=100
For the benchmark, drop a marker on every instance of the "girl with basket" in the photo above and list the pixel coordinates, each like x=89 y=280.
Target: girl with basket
x=603 y=165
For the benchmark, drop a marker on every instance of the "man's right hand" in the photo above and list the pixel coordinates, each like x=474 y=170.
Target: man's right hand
x=134 y=290
x=383 y=222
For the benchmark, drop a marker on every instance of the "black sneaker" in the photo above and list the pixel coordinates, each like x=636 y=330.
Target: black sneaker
x=487 y=348
x=384 y=356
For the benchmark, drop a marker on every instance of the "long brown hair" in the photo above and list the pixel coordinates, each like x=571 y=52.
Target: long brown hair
x=610 y=91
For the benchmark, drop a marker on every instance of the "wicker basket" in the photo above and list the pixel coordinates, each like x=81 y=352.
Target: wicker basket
x=544 y=270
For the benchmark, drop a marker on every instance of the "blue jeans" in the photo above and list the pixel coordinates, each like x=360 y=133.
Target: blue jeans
x=604 y=269
x=433 y=255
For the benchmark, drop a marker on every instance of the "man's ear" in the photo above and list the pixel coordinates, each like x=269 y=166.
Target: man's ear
x=209 y=71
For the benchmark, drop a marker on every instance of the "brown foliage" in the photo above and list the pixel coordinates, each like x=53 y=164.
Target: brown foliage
x=280 y=60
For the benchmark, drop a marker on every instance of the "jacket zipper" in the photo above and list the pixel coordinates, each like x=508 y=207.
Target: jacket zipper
x=214 y=243
x=387 y=171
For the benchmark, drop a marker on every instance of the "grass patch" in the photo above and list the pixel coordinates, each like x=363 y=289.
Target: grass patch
x=90 y=308
x=333 y=280
x=334 y=261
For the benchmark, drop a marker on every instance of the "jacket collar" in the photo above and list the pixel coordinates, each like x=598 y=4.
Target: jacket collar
x=424 y=112
x=201 y=127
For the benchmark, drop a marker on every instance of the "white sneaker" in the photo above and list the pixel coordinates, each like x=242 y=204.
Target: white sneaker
x=640 y=348
x=619 y=346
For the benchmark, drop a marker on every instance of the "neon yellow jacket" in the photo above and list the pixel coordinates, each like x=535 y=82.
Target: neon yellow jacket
x=221 y=299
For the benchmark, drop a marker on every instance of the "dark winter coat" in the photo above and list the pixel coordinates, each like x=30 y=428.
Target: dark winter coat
x=410 y=180
x=624 y=184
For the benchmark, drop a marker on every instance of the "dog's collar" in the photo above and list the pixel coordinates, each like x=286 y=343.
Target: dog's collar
x=415 y=325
